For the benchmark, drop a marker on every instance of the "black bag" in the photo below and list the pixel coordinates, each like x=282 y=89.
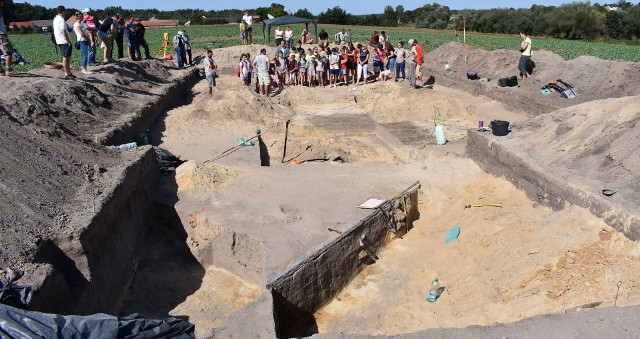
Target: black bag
x=508 y=82
x=472 y=75
x=77 y=45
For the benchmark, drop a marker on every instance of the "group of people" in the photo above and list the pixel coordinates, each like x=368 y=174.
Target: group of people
x=89 y=34
x=323 y=66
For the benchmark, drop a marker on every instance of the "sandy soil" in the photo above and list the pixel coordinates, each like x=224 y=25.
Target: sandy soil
x=517 y=261
x=508 y=264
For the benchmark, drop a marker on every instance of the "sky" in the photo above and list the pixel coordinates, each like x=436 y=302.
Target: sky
x=351 y=6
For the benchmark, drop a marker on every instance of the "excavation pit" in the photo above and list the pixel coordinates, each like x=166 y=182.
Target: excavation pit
x=247 y=235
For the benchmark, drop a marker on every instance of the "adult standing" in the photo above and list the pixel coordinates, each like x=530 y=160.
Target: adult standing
x=340 y=37
x=63 y=40
x=89 y=22
x=108 y=25
x=288 y=37
x=210 y=67
x=391 y=58
x=525 y=49
x=261 y=64
x=363 y=63
x=142 y=42
x=5 y=45
x=84 y=39
x=187 y=46
x=178 y=46
x=131 y=33
x=282 y=47
x=383 y=37
x=248 y=21
x=413 y=64
x=419 y=61
x=375 y=39
x=120 y=27
x=279 y=36
x=401 y=55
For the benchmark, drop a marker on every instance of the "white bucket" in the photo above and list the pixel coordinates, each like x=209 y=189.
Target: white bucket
x=440 y=137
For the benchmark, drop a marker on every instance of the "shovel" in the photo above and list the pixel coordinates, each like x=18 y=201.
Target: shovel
x=571 y=91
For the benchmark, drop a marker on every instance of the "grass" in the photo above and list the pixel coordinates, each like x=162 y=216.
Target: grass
x=38 y=49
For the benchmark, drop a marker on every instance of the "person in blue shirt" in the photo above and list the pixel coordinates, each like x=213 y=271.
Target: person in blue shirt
x=132 y=38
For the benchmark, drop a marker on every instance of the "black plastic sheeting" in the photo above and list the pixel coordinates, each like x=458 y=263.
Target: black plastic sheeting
x=12 y=294
x=17 y=323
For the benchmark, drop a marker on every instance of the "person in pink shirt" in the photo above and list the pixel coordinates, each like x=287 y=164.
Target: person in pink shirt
x=88 y=19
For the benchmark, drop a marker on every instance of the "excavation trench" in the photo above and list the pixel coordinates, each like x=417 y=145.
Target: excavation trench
x=273 y=237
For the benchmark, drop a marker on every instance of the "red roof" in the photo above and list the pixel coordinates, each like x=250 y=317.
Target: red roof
x=159 y=23
x=21 y=24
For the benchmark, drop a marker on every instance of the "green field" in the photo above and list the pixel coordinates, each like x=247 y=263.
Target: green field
x=38 y=49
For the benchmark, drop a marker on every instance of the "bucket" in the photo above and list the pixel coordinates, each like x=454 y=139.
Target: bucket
x=499 y=127
x=440 y=137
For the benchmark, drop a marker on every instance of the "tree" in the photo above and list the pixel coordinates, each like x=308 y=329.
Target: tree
x=304 y=13
x=389 y=17
x=589 y=24
x=196 y=18
x=335 y=15
x=619 y=25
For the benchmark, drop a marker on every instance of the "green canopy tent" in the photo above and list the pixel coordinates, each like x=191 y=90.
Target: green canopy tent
x=283 y=21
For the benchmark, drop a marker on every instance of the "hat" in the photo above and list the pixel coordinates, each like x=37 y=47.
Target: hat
x=411 y=41
x=180 y=33
x=86 y=10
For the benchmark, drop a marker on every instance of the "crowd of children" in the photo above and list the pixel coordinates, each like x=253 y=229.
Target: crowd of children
x=321 y=66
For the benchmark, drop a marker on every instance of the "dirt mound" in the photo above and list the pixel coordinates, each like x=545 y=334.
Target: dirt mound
x=596 y=142
x=598 y=79
x=194 y=176
x=51 y=170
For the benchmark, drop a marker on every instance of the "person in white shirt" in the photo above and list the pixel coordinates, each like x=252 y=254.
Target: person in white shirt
x=210 y=67
x=261 y=64
x=279 y=35
x=288 y=37
x=340 y=37
x=84 y=39
x=248 y=21
x=63 y=40
x=525 y=49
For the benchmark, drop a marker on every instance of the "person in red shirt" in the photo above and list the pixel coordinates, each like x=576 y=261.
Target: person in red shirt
x=344 y=71
x=420 y=61
x=375 y=39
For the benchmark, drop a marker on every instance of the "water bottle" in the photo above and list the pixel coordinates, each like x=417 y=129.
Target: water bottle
x=441 y=139
x=433 y=292
x=130 y=145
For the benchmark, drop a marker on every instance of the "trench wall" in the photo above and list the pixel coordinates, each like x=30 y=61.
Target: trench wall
x=542 y=186
x=147 y=116
x=313 y=282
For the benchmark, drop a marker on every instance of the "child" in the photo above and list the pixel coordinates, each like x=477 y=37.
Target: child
x=273 y=74
x=243 y=32
x=89 y=20
x=343 y=65
x=302 y=69
x=245 y=70
x=334 y=71
x=320 y=69
x=282 y=68
x=384 y=75
x=311 y=70
x=293 y=70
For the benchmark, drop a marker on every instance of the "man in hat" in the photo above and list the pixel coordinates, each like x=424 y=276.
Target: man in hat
x=179 y=46
x=5 y=45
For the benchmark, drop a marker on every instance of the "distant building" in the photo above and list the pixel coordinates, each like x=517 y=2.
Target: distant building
x=611 y=8
x=21 y=24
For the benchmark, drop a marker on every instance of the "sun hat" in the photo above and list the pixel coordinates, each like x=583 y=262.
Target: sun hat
x=86 y=10
x=411 y=41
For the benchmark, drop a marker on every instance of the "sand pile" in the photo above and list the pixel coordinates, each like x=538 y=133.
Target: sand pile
x=193 y=175
x=598 y=79
x=593 y=145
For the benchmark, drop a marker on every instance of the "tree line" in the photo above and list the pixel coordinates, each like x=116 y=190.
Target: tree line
x=577 y=20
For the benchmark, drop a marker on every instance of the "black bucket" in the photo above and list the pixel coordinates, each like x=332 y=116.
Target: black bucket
x=500 y=128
